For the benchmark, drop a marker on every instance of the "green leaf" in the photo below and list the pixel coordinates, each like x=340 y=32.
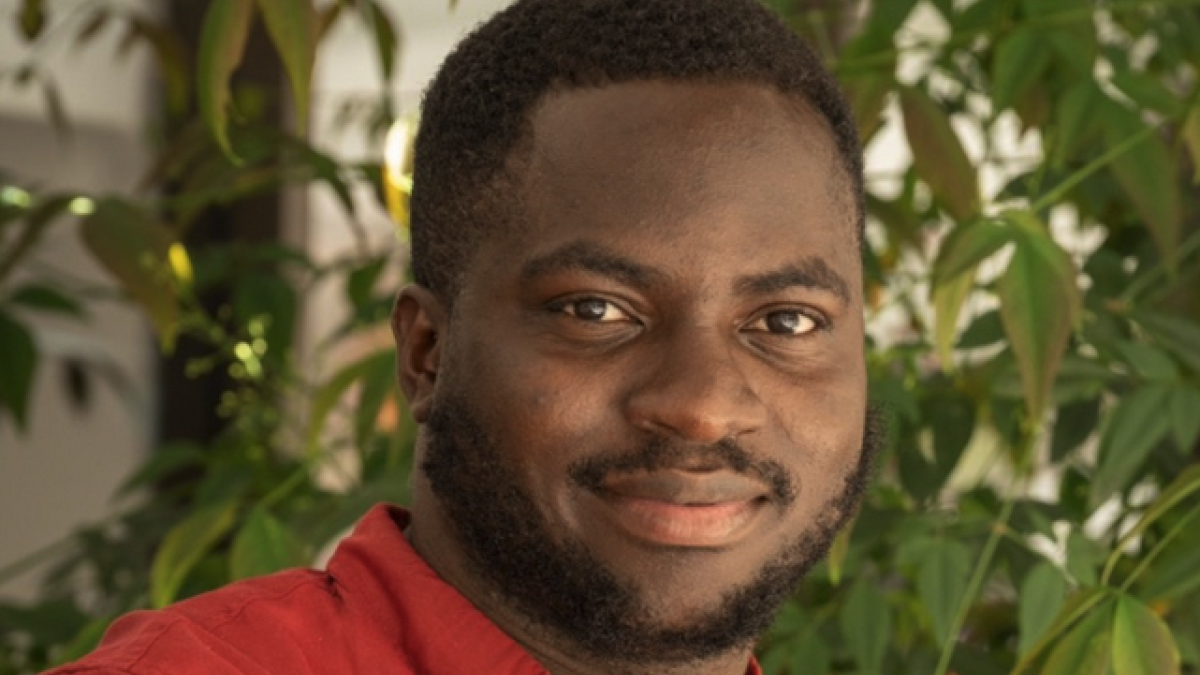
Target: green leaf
x=164 y=461
x=942 y=583
x=948 y=300
x=867 y=626
x=1176 y=573
x=1149 y=93
x=184 y=546
x=1147 y=174
x=966 y=246
x=1087 y=602
x=1142 y=643
x=85 y=641
x=938 y=155
x=32 y=20
x=1086 y=650
x=264 y=545
x=18 y=363
x=330 y=393
x=811 y=656
x=1182 y=487
x=1134 y=428
x=37 y=221
x=1191 y=139
x=868 y=94
x=1043 y=593
x=838 y=551
x=135 y=249
x=1084 y=557
x=387 y=40
x=222 y=44
x=1075 y=423
x=1175 y=333
x=1185 y=416
x=1039 y=304
x=1076 y=120
x=170 y=54
x=1021 y=57
x=46 y=299
x=292 y=25
x=1148 y=362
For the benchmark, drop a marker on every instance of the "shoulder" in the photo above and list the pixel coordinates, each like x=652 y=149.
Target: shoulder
x=293 y=622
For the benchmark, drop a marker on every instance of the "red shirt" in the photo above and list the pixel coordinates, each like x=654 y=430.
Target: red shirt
x=378 y=608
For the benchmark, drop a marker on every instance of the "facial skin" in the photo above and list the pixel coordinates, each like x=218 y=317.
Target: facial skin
x=660 y=367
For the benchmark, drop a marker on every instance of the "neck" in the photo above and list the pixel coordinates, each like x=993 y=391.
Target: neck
x=427 y=532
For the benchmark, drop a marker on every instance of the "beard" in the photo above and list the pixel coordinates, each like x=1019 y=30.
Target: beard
x=560 y=585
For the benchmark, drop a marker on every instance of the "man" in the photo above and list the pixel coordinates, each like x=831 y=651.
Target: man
x=635 y=347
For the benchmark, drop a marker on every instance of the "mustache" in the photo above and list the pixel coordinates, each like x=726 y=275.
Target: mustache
x=662 y=453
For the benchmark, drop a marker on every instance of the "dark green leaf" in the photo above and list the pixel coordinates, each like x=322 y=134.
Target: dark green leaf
x=811 y=656
x=330 y=393
x=1076 y=120
x=54 y=109
x=1086 y=650
x=32 y=19
x=1043 y=592
x=1148 y=362
x=387 y=40
x=37 y=221
x=1148 y=92
x=942 y=583
x=1185 y=416
x=1191 y=138
x=967 y=245
x=867 y=626
x=165 y=460
x=1073 y=425
x=378 y=385
x=1186 y=484
x=170 y=54
x=1134 y=428
x=1175 y=333
x=867 y=94
x=292 y=25
x=1147 y=174
x=184 y=546
x=86 y=640
x=938 y=155
x=270 y=301
x=46 y=299
x=1176 y=572
x=53 y=621
x=135 y=249
x=1142 y=643
x=222 y=43
x=18 y=362
x=1084 y=557
x=264 y=545
x=1021 y=57
x=1039 y=303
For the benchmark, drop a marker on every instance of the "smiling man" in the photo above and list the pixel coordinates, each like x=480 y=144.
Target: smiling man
x=635 y=347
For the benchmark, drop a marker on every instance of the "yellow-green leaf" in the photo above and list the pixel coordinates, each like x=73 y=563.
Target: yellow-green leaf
x=1087 y=602
x=32 y=19
x=966 y=246
x=264 y=545
x=332 y=391
x=1191 y=138
x=1086 y=650
x=1039 y=304
x=136 y=250
x=292 y=25
x=838 y=552
x=938 y=154
x=1142 y=643
x=222 y=44
x=941 y=584
x=867 y=626
x=1147 y=173
x=1186 y=484
x=1020 y=59
x=184 y=546
x=949 y=297
x=1043 y=593
x=867 y=94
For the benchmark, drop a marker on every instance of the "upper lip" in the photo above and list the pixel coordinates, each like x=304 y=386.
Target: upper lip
x=686 y=487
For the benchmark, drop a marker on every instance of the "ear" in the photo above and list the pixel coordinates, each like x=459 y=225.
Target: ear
x=418 y=325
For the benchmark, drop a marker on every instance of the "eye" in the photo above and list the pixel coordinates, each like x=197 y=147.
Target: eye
x=594 y=310
x=785 y=322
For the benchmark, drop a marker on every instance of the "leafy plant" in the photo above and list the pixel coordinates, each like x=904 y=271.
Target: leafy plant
x=1033 y=312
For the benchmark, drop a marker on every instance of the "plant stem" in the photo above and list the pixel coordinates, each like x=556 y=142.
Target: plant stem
x=1159 y=547
x=976 y=583
x=1052 y=197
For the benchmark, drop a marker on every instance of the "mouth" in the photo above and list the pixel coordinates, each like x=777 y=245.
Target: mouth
x=685 y=509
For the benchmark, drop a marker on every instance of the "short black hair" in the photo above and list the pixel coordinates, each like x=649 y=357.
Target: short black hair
x=477 y=111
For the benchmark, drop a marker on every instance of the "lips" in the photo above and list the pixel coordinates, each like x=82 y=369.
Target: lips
x=679 y=508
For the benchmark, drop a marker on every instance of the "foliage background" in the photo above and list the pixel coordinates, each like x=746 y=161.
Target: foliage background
x=1036 y=340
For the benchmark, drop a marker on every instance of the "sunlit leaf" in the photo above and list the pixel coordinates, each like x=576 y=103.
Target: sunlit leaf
x=867 y=626
x=136 y=250
x=838 y=552
x=222 y=44
x=948 y=300
x=1043 y=592
x=941 y=584
x=1191 y=138
x=1039 y=304
x=18 y=363
x=292 y=25
x=938 y=155
x=1086 y=650
x=184 y=546
x=1142 y=643
x=1134 y=428
x=262 y=546
x=1021 y=57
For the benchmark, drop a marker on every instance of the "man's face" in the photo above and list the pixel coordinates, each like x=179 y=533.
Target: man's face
x=650 y=401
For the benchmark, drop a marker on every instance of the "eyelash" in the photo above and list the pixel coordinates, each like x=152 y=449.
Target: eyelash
x=820 y=322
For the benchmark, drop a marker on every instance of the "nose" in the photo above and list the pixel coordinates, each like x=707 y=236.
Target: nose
x=697 y=391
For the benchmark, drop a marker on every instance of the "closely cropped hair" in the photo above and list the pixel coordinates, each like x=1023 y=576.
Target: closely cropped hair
x=477 y=111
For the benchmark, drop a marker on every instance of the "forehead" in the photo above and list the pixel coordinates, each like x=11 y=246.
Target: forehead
x=669 y=164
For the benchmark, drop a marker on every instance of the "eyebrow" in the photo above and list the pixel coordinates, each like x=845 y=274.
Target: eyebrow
x=811 y=273
x=591 y=257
